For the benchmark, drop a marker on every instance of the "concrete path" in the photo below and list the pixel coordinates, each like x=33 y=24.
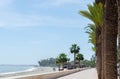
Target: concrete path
x=85 y=74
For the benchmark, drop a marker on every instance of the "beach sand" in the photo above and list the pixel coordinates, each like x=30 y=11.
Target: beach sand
x=83 y=74
x=28 y=72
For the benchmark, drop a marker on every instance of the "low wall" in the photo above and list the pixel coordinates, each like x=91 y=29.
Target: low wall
x=51 y=75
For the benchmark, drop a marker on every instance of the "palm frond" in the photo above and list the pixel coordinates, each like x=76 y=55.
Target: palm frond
x=94 y=13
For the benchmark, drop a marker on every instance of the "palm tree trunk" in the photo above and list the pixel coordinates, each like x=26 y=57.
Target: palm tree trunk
x=102 y=38
x=103 y=47
x=67 y=64
x=110 y=43
x=99 y=47
x=59 y=67
x=74 y=60
x=79 y=64
x=118 y=2
x=100 y=57
x=62 y=66
x=98 y=51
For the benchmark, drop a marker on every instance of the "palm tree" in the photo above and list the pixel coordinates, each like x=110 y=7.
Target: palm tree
x=118 y=2
x=92 y=61
x=75 y=50
x=110 y=39
x=68 y=61
x=58 y=62
x=79 y=58
x=63 y=59
x=95 y=14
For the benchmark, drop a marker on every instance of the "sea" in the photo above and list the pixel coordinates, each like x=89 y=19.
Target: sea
x=15 y=68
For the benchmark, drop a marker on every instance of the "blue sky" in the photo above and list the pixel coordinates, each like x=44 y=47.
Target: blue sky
x=32 y=30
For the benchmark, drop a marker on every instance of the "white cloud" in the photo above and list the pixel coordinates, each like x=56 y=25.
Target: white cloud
x=62 y=2
x=58 y=3
x=19 y=20
x=9 y=18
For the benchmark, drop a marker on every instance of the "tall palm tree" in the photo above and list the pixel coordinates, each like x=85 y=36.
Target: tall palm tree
x=118 y=4
x=79 y=58
x=75 y=50
x=95 y=14
x=110 y=39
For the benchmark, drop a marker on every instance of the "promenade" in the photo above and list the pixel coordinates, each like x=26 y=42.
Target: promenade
x=85 y=74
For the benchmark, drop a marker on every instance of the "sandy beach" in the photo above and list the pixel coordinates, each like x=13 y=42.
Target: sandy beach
x=28 y=72
x=75 y=74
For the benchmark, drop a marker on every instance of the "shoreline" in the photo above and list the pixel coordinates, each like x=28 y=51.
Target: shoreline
x=43 y=75
x=47 y=75
x=35 y=70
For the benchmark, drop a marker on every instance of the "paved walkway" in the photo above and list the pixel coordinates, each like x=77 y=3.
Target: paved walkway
x=86 y=74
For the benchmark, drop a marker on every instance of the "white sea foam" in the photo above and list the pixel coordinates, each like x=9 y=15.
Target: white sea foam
x=33 y=70
x=8 y=74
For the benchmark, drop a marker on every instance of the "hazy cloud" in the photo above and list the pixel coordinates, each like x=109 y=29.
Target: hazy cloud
x=20 y=20
x=58 y=3
x=10 y=18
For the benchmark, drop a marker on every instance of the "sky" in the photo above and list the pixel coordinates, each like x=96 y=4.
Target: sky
x=32 y=30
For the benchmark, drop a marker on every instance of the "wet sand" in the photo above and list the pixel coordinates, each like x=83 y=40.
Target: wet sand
x=28 y=72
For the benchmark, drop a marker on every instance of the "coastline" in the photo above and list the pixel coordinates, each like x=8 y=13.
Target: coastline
x=34 y=70
x=48 y=75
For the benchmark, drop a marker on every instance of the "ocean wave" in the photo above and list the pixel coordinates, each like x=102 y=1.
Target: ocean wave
x=31 y=69
x=14 y=72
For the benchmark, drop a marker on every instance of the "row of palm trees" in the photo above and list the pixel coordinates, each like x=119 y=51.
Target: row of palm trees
x=62 y=58
x=105 y=14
